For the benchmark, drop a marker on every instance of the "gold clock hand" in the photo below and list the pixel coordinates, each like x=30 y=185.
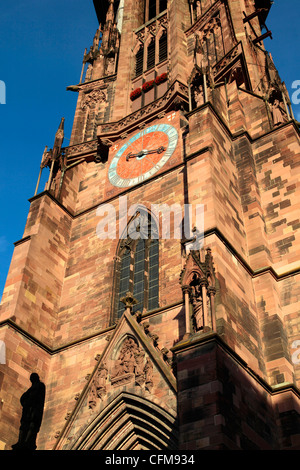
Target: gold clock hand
x=145 y=152
x=133 y=155
x=159 y=150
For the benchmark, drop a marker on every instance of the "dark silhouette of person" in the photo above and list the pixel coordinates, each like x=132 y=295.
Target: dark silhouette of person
x=32 y=402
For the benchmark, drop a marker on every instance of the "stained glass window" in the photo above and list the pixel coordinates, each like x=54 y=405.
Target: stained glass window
x=153 y=275
x=139 y=274
x=138 y=269
x=124 y=279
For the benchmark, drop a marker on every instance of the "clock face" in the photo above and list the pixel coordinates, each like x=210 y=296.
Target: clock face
x=143 y=155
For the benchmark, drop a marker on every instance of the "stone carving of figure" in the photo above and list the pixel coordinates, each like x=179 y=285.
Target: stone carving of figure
x=32 y=402
x=92 y=400
x=46 y=159
x=98 y=388
x=56 y=180
x=198 y=97
x=198 y=9
x=126 y=361
x=197 y=302
x=198 y=49
x=89 y=72
x=139 y=366
x=101 y=381
x=148 y=374
x=278 y=116
x=198 y=309
x=110 y=66
x=131 y=361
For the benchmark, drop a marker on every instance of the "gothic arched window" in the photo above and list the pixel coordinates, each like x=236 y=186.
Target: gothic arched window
x=151 y=54
x=137 y=265
x=155 y=53
x=154 y=8
x=139 y=62
x=163 y=46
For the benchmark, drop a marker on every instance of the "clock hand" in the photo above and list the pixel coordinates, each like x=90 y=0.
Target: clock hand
x=133 y=155
x=159 y=150
x=145 y=152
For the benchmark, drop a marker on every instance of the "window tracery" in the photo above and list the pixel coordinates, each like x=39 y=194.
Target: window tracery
x=150 y=56
x=151 y=46
x=137 y=265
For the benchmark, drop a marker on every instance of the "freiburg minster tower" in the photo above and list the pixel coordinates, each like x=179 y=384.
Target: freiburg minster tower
x=155 y=291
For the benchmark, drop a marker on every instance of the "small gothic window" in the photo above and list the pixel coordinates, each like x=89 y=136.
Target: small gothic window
x=139 y=62
x=151 y=54
x=157 y=48
x=137 y=265
x=163 y=47
x=154 y=8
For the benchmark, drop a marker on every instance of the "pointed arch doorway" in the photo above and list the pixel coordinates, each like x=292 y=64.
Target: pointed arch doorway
x=130 y=422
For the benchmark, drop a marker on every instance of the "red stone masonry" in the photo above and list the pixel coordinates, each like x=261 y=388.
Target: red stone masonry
x=231 y=386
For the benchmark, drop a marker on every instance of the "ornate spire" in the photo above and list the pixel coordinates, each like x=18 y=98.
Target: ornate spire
x=96 y=40
x=102 y=55
x=59 y=138
x=110 y=15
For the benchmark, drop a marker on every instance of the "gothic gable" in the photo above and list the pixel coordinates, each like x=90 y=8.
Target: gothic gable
x=132 y=386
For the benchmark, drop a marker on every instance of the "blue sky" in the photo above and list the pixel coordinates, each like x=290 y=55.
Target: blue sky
x=42 y=44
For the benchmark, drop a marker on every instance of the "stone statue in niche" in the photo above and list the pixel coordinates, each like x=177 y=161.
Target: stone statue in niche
x=198 y=96
x=110 y=66
x=89 y=73
x=32 y=402
x=198 y=9
x=278 y=113
x=197 y=303
x=56 y=181
x=237 y=75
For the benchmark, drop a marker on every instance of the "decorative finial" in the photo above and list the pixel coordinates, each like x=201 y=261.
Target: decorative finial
x=129 y=301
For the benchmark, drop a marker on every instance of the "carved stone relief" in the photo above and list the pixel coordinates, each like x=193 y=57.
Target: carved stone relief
x=91 y=98
x=98 y=389
x=132 y=364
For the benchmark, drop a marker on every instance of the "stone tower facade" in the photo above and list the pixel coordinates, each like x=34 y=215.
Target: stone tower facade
x=156 y=288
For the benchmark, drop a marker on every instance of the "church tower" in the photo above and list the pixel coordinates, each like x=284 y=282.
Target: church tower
x=156 y=288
